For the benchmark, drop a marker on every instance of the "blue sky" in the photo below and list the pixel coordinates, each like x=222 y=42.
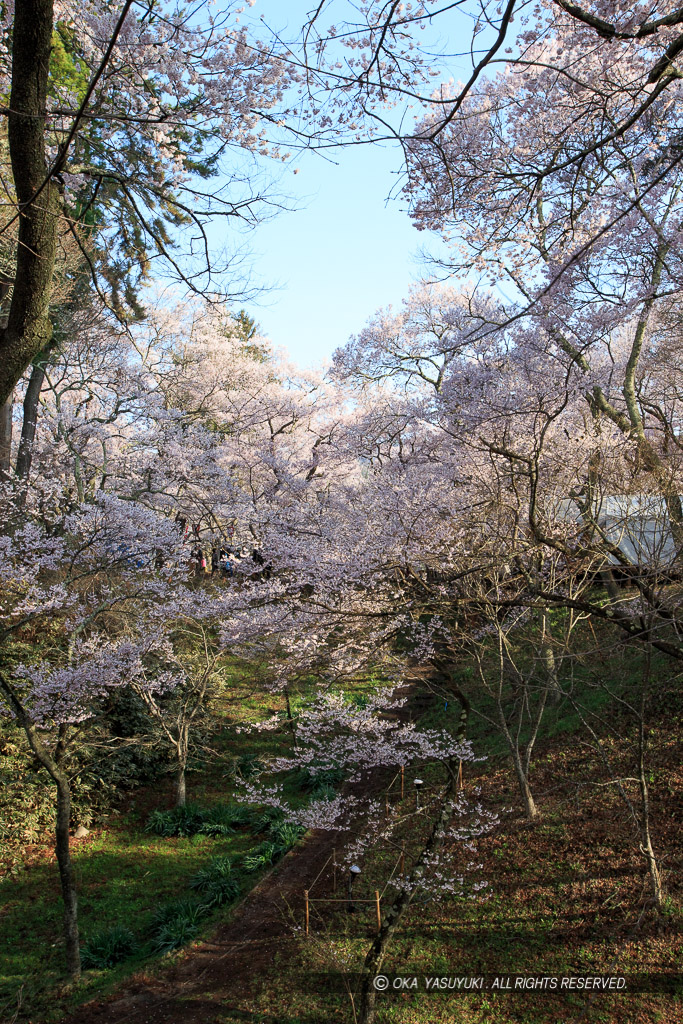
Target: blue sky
x=345 y=251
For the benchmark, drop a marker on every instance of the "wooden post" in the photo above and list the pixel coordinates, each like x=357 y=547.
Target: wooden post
x=379 y=913
x=460 y=775
x=334 y=871
x=402 y=780
x=403 y=859
x=306 y=905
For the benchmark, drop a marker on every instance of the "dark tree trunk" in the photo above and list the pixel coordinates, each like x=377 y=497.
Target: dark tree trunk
x=28 y=327
x=392 y=919
x=62 y=841
x=66 y=875
x=444 y=676
x=6 y=438
x=290 y=716
x=28 y=428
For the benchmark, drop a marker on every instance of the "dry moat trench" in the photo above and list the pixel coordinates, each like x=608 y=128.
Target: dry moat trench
x=578 y=863
x=219 y=980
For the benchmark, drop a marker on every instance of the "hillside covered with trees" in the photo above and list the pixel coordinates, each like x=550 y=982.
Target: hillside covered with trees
x=360 y=674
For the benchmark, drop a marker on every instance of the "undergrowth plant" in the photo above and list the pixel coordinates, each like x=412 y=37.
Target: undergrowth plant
x=108 y=947
x=177 y=924
x=216 y=883
x=191 y=820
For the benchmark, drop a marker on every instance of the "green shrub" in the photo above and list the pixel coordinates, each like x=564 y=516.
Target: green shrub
x=248 y=765
x=239 y=814
x=323 y=792
x=192 y=820
x=188 y=907
x=179 y=821
x=128 y=766
x=311 y=777
x=222 y=819
x=27 y=794
x=215 y=829
x=262 y=857
x=216 y=883
x=284 y=835
x=109 y=947
x=175 y=934
x=177 y=924
x=264 y=821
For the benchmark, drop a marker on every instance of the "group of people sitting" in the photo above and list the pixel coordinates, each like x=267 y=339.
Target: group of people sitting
x=219 y=558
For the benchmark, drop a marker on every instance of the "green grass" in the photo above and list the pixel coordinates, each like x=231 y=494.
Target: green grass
x=125 y=873
x=122 y=875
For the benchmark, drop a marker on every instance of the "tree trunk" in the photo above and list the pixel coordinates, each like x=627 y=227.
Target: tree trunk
x=522 y=775
x=662 y=473
x=66 y=875
x=646 y=840
x=392 y=919
x=547 y=658
x=444 y=675
x=182 y=746
x=28 y=428
x=182 y=751
x=180 y=787
x=646 y=845
x=524 y=788
x=28 y=326
x=62 y=842
x=610 y=585
x=290 y=716
x=6 y=438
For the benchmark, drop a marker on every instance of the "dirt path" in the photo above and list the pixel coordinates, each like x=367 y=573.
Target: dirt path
x=217 y=975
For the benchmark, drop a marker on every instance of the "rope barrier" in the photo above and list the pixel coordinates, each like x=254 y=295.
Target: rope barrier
x=332 y=899
x=391 y=876
x=332 y=855
x=400 y=860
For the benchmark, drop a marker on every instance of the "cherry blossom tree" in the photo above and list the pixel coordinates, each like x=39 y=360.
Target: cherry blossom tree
x=189 y=665
x=334 y=733
x=73 y=577
x=504 y=475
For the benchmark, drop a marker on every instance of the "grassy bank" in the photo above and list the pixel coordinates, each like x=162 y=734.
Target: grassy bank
x=127 y=876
